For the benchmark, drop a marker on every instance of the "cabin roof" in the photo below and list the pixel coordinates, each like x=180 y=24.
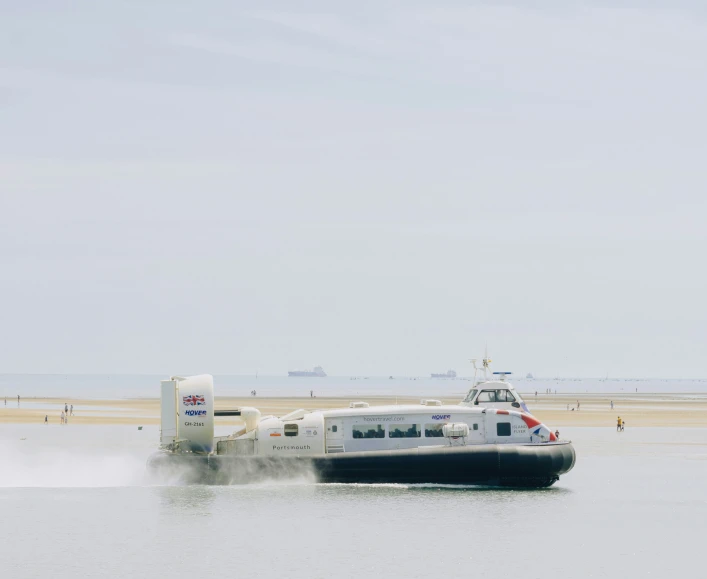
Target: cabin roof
x=494 y=385
x=405 y=409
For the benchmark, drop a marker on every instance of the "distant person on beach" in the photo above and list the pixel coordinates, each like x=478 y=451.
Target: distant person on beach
x=311 y=393
x=557 y=434
x=577 y=404
x=72 y=410
x=62 y=417
x=612 y=404
x=18 y=400
x=619 y=424
x=46 y=419
x=623 y=425
x=66 y=408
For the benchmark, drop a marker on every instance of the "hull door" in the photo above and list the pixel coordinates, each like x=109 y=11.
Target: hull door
x=334 y=435
x=477 y=431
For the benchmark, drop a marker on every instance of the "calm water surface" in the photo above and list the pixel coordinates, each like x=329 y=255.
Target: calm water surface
x=147 y=386
x=75 y=502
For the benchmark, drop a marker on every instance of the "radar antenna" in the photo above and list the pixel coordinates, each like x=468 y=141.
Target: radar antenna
x=485 y=365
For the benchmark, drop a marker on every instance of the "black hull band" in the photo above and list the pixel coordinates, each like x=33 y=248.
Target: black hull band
x=490 y=465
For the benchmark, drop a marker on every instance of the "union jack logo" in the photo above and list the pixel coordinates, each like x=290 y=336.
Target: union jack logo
x=193 y=400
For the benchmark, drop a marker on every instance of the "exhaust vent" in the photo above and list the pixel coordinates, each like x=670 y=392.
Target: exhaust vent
x=431 y=402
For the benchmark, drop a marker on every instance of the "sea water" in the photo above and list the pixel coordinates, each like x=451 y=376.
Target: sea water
x=77 y=502
x=104 y=386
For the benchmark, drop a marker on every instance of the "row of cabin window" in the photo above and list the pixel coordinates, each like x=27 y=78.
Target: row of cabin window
x=401 y=430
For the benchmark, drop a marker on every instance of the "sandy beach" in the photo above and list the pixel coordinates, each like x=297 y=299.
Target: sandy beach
x=638 y=410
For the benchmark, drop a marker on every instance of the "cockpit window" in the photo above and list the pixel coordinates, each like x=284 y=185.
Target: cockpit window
x=487 y=396
x=496 y=396
x=505 y=395
x=470 y=396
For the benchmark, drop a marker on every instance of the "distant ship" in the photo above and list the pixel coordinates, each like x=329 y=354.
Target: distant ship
x=529 y=377
x=448 y=374
x=318 y=372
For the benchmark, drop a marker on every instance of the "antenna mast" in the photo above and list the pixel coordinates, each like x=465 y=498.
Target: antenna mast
x=485 y=364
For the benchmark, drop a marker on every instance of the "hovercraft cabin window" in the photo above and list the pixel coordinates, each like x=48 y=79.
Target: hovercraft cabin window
x=291 y=429
x=503 y=429
x=368 y=431
x=404 y=431
x=433 y=430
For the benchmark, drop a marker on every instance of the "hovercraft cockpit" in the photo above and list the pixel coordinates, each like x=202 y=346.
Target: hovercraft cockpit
x=495 y=393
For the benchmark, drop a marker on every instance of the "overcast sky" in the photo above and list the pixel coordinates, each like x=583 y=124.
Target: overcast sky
x=376 y=187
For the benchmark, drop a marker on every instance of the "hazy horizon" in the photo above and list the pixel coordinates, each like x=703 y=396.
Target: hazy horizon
x=513 y=377
x=381 y=188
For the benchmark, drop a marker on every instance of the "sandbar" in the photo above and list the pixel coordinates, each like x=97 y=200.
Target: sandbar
x=637 y=410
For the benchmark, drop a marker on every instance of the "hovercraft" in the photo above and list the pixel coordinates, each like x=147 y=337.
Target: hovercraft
x=463 y=444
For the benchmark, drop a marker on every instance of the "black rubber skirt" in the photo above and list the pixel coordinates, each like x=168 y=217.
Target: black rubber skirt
x=533 y=465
